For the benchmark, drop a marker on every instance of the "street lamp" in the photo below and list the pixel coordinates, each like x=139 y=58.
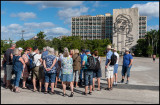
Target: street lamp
x=22 y=34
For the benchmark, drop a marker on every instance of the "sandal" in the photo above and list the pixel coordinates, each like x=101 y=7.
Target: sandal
x=24 y=87
x=52 y=93
x=45 y=92
x=35 y=90
x=64 y=95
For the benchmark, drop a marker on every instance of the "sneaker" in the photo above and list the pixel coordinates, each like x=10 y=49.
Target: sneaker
x=122 y=81
x=71 y=94
x=90 y=93
x=85 y=94
x=114 y=83
x=127 y=82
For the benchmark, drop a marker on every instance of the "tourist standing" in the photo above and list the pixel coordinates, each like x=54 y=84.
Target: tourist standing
x=115 y=67
x=82 y=69
x=76 y=66
x=57 y=67
x=71 y=53
x=154 y=58
x=9 y=64
x=109 y=68
x=18 y=65
x=67 y=72
x=50 y=70
x=127 y=64
x=25 y=73
x=97 y=72
x=88 y=73
x=4 y=68
x=36 y=73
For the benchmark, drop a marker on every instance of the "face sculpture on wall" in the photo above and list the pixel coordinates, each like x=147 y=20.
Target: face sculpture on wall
x=123 y=26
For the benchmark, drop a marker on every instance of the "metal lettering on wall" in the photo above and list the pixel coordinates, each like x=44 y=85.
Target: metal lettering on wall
x=122 y=28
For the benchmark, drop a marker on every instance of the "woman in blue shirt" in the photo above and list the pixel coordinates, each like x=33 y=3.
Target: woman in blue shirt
x=18 y=65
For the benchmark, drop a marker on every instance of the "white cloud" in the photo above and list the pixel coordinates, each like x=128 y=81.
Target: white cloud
x=96 y=4
x=24 y=15
x=68 y=13
x=57 y=31
x=150 y=9
x=155 y=27
x=46 y=4
x=13 y=31
x=39 y=25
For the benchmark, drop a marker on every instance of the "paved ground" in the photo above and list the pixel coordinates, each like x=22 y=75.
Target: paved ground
x=143 y=89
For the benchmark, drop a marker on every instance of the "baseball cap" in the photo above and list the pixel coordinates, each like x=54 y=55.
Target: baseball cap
x=87 y=50
x=20 y=48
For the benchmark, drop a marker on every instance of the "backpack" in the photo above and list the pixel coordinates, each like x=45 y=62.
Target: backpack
x=97 y=67
x=91 y=64
x=32 y=63
x=113 y=59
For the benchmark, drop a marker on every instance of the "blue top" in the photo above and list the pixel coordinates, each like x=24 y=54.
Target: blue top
x=85 y=59
x=82 y=56
x=127 y=59
x=44 y=54
x=108 y=56
x=49 y=59
x=67 y=65
x=17 y=65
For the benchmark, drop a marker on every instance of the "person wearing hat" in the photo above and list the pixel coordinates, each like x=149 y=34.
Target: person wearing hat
x=20 y=49
x=127 y=64
x=109 y=68
x=88 y=74
x=115 y=67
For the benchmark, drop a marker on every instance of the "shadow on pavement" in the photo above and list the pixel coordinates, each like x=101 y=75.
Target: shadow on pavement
x=130 y=86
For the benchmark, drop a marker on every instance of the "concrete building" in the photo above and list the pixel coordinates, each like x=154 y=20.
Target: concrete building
x=124 y=28
x=142 y=26
x=92 y=27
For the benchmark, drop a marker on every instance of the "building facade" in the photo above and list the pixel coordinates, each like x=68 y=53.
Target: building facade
x=124 y=28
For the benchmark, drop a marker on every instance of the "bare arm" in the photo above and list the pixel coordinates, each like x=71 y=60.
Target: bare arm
x=20 y=59
x=54 y=62
x=44 y=64
x=83 y=63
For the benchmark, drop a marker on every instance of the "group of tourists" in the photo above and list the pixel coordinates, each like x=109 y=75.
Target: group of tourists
x=72 y=68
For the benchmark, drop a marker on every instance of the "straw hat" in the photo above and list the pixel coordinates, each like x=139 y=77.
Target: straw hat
x=127 y=49
x=108 y=47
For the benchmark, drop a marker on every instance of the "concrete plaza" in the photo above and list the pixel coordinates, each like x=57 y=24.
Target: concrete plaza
x=143 y=89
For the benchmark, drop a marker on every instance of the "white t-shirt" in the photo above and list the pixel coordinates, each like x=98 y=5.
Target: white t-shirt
x=115 y=53
x=37 y=58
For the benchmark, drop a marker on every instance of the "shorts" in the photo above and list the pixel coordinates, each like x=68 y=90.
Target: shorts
x=75 y=75
x=50 y=77
x=67 y=77
x=9 y=69
x=41 y=71
x=88 y=78
x=115 y=68
x=97 y=74
x=109 y=72
x=125 y=70
x=36 y=73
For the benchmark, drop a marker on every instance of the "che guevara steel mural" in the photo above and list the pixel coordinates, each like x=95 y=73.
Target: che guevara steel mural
x=122 y=30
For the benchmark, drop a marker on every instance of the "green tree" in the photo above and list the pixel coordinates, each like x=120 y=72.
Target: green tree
x=40 y=41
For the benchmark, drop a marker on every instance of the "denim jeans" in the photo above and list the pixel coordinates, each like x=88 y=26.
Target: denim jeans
x=17 y=78
x=126 y=69
x=81 y=73
x=88 y=78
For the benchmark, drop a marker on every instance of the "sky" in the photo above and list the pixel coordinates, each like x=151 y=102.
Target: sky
x=54 y=17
